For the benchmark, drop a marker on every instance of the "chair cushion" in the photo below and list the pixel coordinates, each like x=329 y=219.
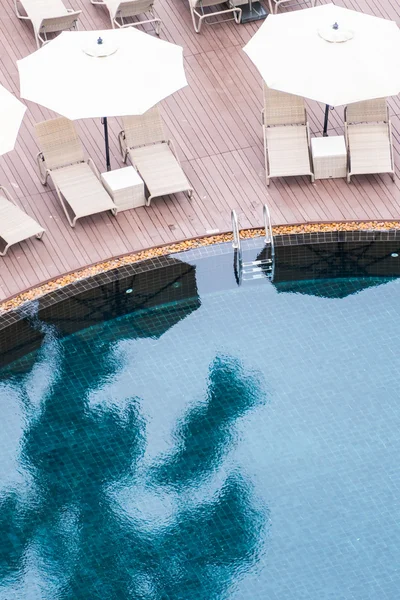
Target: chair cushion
x=38 y=10
x=288 y=151
x=159 y=169
x=369 y=146
x=15 y=224
x=82 y=190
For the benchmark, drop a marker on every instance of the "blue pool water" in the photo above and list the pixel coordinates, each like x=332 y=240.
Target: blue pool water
x=247 y=451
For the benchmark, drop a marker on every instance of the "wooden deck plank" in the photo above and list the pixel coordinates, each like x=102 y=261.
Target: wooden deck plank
x=215 y=124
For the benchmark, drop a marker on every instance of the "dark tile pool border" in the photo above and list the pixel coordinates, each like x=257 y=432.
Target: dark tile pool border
x=91 y=277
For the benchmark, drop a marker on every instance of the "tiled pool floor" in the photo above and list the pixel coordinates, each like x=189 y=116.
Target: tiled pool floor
x=249 y=452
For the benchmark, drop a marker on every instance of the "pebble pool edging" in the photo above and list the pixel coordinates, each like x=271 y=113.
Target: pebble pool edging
x=278 y=230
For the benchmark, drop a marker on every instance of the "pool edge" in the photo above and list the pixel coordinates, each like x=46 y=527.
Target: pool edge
x=55 y=289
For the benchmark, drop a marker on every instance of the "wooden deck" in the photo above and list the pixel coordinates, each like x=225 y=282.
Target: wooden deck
x=215 y=122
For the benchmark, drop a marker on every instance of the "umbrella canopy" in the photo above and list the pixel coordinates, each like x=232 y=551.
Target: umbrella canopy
x=112 y=73
x=11 y=114
x=126 y=74
x=329 y=54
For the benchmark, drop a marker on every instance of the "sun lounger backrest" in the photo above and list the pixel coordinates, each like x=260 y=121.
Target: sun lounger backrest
x=59 y=143
x=202 y=3
x=144 y=129
x=131 y=8
x=54 y=24
x=281 y=108
x=368 y=111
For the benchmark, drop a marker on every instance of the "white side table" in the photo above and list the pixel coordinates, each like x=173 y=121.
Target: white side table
x=125 y=187
x=329 y=156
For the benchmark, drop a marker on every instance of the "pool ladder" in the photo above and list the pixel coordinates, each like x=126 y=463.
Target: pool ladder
x=255 y=269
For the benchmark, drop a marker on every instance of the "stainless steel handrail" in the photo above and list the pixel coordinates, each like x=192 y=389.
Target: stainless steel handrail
x=235 y=231
x=269 y=236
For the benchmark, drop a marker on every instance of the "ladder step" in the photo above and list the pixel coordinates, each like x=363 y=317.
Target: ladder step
x=256 y=270
x=265 y=261
x=257 y=276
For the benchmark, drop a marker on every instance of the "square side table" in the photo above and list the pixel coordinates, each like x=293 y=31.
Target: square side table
x=329 y=157
x=125 y=187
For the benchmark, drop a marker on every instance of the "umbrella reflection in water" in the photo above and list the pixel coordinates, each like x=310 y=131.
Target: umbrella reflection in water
x=334 y=269
x=77 y=456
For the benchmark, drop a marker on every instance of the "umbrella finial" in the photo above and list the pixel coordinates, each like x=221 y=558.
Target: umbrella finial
x=100 y=40
x=335 y=26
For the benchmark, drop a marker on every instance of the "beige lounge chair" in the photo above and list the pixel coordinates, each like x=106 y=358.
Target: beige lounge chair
x=199 y=14
x=153 y=155
x=77 y=181
x=368 y=133
x=15 y=224
x=47 y=16
x=119 y=11
x=286 y=136
x=275 y=4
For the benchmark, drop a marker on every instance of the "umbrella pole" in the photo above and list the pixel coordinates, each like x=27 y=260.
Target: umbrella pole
x=105 y=124
x=326 y=119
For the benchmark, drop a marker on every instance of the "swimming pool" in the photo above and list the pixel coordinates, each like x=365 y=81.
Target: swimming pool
x=172 y=436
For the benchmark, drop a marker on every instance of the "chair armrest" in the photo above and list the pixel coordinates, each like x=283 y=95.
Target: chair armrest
x=122 y=145
x=7 y=195
x=172 y=146
x=93 y=167
x=44 y=172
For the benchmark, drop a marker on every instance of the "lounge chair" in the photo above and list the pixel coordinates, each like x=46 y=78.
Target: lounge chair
x=153 y=155
x=15 y=224
x=368 y=134
x=199 y=14
x=47 y=16
x=119 y=11
x=274 y=4
x=77 y=181
x=286 y=136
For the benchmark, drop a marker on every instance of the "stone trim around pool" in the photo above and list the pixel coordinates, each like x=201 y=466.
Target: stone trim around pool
x=69 y=284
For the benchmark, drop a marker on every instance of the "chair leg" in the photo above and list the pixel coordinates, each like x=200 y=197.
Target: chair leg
x=5 y=250
x=42 y=176
x=266 y=158
x=157 y=22
x=197 y=26
x=72 y=223
x=237 y=15
x=23 y=17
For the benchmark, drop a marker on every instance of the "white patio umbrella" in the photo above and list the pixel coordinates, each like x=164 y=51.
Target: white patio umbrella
x=112 y=73
x=11 y=114
x=329 y=54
